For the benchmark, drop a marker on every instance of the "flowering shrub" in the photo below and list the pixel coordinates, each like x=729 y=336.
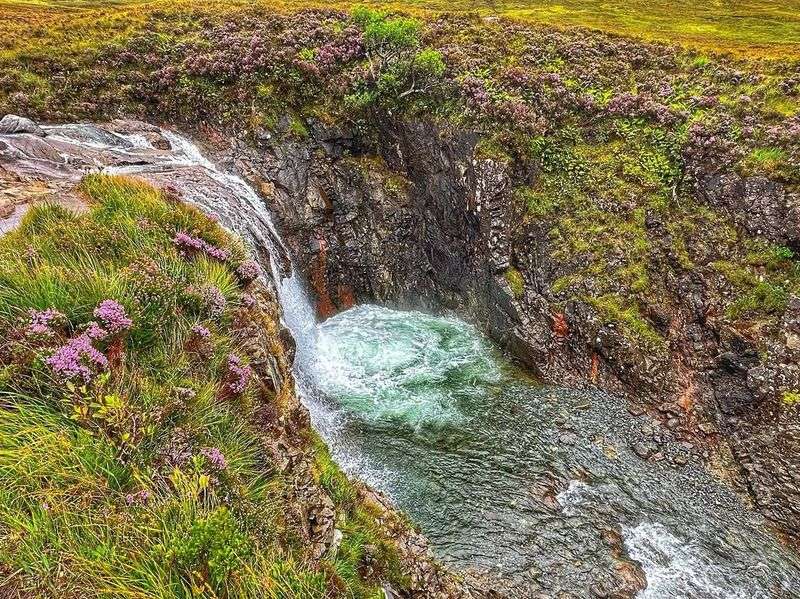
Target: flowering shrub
x=41 y=322
x=189 y=245
x=138 y=498
x=207 y=301
x=113 y=316
x=238 y=375
x=77 y=359
x=637 y=105
x=213 y=300
x=248 y=271
x=201 y=331
x=248 y=301
x=215 y=458
x=709 y=147
x=96 y=332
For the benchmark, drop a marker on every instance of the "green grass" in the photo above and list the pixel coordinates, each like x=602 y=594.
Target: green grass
x=749 y=28
x=771 y=162
x=106 y=484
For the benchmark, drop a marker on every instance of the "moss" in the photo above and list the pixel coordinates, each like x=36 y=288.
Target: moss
x=297 y=128
x=515 y=281
x=763 y=299
x=737 y=275
x=561 y=284
x=493 y=148
x=614 y=309
x=791 y=398
x=536 y=203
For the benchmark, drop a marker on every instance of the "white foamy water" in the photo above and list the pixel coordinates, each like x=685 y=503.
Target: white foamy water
x=679 y=568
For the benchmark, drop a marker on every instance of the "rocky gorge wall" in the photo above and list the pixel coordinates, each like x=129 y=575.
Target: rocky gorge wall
x=421 y=218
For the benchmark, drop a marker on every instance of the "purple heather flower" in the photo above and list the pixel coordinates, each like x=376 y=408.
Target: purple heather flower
x=95 y=331
x=213 y=300
x=113 y=316
x=40 y=322
x=184 y=242
x=201 y=331
x=248 y=271
x=248 y=300
x=78 y=358
x=137 y=498
x=239 y=374
x=215 y=458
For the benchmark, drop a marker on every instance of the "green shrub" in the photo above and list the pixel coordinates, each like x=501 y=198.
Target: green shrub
x=213 y=544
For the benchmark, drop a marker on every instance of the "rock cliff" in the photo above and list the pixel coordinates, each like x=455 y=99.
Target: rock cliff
x=422 y=219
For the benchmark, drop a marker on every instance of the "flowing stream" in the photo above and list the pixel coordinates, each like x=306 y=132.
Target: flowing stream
x=535 y=486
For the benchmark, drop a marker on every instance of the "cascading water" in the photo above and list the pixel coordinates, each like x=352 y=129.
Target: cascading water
x=535 y=485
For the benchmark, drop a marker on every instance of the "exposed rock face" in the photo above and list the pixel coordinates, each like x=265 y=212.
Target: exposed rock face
x=419 y=219
x=12 y=123
x=761 y=206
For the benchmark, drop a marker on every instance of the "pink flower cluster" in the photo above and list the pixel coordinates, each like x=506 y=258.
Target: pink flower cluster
x=187 y=244
x=201 y=331
x=77 y=359
x=40 y=322
x=113 y=316
x=215 y=458
x=213 y=300
x=138 y=498
x=640 y=105
x=248 y=301
x=248 y=271
x=341 y=51
x=475 y=92
x=238 y=374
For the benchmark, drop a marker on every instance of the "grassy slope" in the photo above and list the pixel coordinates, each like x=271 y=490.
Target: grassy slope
x=111 y=484
x=749 y=28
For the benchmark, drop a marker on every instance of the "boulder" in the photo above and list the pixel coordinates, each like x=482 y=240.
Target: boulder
x=12 y=124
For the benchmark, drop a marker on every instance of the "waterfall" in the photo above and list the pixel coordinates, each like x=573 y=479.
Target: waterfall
x=423 y=409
